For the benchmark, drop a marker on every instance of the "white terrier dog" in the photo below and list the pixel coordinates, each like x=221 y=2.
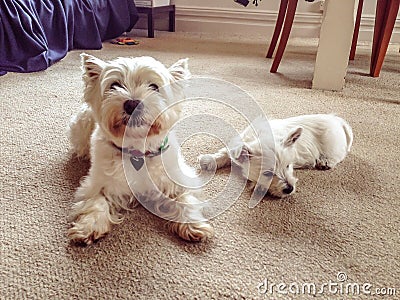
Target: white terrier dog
x=311 y=141
x=130 y=105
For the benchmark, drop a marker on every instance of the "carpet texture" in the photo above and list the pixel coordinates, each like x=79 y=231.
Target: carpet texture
x=342 y=220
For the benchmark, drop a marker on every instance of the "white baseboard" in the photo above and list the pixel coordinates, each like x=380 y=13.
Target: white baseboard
x=367 y=29
x=257 y=22
x=249 y=22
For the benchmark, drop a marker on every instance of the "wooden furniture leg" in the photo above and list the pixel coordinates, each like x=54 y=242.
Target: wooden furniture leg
x=386 y=13
x=291 y=9
x=356 y=30
x=172 y=20
x=151 y=12
x=334 y=45
x=150 y=25
x=278 y=27
x=379 y=15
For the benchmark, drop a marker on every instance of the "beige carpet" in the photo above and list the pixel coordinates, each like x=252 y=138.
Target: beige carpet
x=344 y=220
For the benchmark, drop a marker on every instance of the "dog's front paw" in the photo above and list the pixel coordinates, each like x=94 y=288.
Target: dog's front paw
x=193 y=232
x=207 y=162
x=88 y=228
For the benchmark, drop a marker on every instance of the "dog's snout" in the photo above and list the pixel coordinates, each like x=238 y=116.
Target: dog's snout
x=130 y=106
x=288 y=189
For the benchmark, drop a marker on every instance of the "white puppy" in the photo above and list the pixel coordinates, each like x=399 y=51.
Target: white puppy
x=310 y=141
x=130 y=105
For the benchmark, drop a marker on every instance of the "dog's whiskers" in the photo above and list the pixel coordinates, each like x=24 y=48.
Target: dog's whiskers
x=135 y=121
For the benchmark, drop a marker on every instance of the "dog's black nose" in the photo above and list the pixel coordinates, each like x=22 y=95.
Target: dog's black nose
x=288 y=189
x=130 y=106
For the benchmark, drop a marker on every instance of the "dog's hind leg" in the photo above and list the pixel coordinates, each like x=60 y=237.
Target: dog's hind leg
x=211 y=162
x=325 y=163
x=322 y=164
x=80 y=130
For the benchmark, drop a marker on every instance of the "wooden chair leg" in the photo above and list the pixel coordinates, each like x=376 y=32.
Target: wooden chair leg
x=292 y=5
x=379 y=15
x=356 y=30
x=390 y=11
x=278 y=27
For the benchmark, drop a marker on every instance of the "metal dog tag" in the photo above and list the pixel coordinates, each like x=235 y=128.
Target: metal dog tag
x=137 y=162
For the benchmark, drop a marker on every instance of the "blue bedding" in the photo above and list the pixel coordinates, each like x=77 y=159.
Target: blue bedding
x=37 y=33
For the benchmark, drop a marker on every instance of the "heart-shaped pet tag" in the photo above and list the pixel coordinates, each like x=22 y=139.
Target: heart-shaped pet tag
x=137 y=162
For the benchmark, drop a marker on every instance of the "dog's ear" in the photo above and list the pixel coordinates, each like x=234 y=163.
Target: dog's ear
x=180 y=69
x=292 y=137
x=241 y=153
x=91 y=67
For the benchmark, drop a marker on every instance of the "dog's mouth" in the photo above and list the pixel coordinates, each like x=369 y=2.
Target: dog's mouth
x=278 y=194
x=131 y=121
x=281 y=189
x=134 y=121
x=133 y=114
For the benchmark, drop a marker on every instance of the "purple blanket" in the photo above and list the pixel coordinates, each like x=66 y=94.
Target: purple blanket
x=36 y=33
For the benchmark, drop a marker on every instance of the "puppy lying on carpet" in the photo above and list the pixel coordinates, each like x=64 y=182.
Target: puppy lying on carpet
x=310 y=141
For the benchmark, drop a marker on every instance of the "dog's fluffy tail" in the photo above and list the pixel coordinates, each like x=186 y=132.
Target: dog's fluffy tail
x=349 y=134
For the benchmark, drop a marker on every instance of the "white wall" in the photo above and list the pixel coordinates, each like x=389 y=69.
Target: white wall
x=226 y=16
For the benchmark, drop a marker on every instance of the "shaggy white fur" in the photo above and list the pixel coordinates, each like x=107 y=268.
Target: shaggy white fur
x=267 y=152
x=130 y=106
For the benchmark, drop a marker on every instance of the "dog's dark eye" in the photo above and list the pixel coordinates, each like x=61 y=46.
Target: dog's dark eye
x=154 y=87
x=268 y=173
x=287 y=167
x=115 y=85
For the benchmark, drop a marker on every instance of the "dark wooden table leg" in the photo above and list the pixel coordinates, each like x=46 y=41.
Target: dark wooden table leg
x=379 y=15
x=278 y=27
x=152 y=12
x=172 y=20
x=356 y=30
x=386 y=13
x=285 y=34
x=150 y=24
